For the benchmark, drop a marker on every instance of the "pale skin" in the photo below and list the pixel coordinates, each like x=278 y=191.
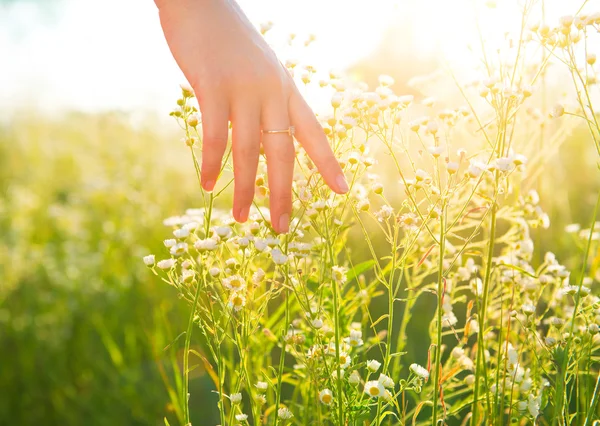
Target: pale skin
x=237 y=78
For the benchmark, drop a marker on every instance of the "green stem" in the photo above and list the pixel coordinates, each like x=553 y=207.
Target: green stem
x=186 y=355
x=481 y=315
x=440 y=302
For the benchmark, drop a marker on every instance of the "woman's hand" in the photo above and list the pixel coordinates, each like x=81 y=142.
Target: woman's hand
x=237 y=77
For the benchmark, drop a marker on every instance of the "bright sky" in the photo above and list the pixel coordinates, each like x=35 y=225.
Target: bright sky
x=107 y=54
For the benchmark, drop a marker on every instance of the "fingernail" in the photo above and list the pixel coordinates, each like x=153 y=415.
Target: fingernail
x=341 y=183
x=209 y=185
x=284 y=222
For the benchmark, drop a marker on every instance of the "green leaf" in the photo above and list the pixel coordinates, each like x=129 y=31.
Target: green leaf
x=360 y=269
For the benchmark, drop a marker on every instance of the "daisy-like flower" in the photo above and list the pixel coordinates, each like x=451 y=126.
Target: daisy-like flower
x=386 y=381
x=355 y=338
x=326 y=397
x=236 y=301
x=241 y=417
x=354 y=378
x=170 y=242
x=262 y=386
x=339 y=274
x=179 y=249
x=234 y=282
x=207 y=244
x=214 y=271
x=452 y=167
x=149 y=260
x=419 y=371
x=363 y=204
x=345 y=360
x=374 y=389
x=373 y=365
x=235 y=398
x=222 y=231
x=181 y=233
x=258 y=276
x=260 y=244
x=278 y=257
x=284 y=413
x=166 y=263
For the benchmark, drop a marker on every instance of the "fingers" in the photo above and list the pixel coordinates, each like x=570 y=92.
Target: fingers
x=215 y=130
x=279 y=149
x=310 y=134
x=246 y=149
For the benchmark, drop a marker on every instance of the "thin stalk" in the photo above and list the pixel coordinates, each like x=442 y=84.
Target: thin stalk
x=440 y=301
x=482 y=312
x=186 y=355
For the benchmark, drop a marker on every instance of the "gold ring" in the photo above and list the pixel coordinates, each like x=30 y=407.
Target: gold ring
x=290 y=131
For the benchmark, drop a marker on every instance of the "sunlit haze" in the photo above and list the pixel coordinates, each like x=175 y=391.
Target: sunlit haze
x=96 y=55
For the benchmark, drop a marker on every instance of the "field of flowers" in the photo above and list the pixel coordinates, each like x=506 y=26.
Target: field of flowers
x=456 y=283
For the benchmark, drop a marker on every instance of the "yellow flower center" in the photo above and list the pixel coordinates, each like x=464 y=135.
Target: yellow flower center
x=374 y=391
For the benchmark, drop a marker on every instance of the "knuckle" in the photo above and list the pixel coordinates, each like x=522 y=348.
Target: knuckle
x=247 y=151
x=214 y=143
x=283 y=200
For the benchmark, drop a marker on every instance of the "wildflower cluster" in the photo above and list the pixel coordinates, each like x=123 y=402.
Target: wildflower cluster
x=289 y=320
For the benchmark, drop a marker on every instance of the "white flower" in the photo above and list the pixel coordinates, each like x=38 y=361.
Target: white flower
x=181 y=233
x=260 y=245
x=363 y=204
x=236 y=301
x=457 y=352
x=386 y=381
x=355 y=338
x=179 y=249
x=187 y=275
x=373 y=365
x=235 y=398
x=345 y=360
x=422 y=176
x=374 y=389
x=354 y=378
x=234 y=282
x=214 y=271
x=476 y=169
x=452 y=167
x=528 y=309
x=262 y=386
x=258 y=276
x=149 y=260
x=241 y=417
x=278 y=257
x=166 y=263
x=317 y=323
x=419 y=371
x=206 y=244
x=284 y=413
x=169 y=243
x=386 y=80
x=222 y=231
x=326 y=397
x=533 y=405
x=339 y=274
